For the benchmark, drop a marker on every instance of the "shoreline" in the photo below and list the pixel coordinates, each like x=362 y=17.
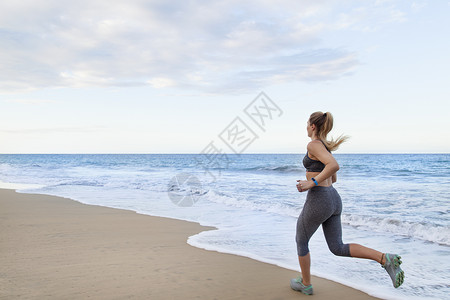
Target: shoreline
x=58 y=248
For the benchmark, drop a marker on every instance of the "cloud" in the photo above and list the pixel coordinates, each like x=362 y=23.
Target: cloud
x=417 y=6
x=210 y=46
x=160 y=82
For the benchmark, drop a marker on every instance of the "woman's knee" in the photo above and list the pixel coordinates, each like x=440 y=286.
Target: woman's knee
x=302 y=243
x=340 y=249
x=302 y=250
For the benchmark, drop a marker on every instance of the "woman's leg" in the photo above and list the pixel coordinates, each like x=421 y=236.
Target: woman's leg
x=314 y=212
x=305 y=266
x=359 y=251
x=390 y=262
x=332 y=230
x=304 y=233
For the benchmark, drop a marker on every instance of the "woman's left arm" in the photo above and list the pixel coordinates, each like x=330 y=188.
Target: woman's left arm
x=334 y=178
x=331 y=165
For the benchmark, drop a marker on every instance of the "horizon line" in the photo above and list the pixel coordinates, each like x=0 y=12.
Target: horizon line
x=196 y=153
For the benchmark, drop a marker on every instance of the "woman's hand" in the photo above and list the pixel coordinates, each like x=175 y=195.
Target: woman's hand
x=304 y=185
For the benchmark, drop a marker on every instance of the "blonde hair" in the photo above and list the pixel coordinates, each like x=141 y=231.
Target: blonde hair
x=324 y=124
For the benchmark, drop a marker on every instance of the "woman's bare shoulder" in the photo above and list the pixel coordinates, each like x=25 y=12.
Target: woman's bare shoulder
x=315 y=145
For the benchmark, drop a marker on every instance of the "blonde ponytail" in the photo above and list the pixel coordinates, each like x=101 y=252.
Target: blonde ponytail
x=324 y=124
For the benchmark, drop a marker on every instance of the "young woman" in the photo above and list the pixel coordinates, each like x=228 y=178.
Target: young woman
x=323 y=206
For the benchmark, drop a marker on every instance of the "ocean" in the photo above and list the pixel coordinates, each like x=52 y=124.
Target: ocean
x=396 y=203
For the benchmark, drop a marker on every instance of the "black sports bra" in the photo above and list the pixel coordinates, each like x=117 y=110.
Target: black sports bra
x=313 y=165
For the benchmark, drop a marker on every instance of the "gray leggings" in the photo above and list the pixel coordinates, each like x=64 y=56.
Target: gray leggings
x=323 y=206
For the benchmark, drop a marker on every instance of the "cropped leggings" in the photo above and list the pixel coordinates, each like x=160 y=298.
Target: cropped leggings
x=323 y=206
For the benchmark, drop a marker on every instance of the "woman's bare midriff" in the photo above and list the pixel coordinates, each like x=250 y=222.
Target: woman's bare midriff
x=326 y=182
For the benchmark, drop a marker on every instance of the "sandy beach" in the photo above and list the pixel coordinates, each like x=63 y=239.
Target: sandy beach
x=57 y=248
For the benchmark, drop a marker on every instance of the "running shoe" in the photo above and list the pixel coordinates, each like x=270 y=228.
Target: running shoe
x=297 y=285
x=392 y=266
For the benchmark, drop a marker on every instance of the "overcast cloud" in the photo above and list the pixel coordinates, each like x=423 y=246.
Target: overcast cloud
x=211 y=46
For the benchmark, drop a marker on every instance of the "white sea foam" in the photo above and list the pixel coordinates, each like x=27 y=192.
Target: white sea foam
x=19 y=186
x=428 y=232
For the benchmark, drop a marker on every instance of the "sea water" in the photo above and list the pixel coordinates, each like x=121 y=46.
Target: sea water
x=397 y=203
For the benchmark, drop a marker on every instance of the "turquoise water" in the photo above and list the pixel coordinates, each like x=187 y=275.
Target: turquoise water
x=392 y=202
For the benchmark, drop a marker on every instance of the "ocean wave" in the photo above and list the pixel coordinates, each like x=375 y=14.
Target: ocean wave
x=434 y=233
x=281 y=169
x=80 y=182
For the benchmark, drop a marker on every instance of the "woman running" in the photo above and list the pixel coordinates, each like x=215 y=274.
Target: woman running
x=323 y=206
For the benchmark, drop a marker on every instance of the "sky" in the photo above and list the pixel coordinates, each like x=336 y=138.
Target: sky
x=135 y=76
